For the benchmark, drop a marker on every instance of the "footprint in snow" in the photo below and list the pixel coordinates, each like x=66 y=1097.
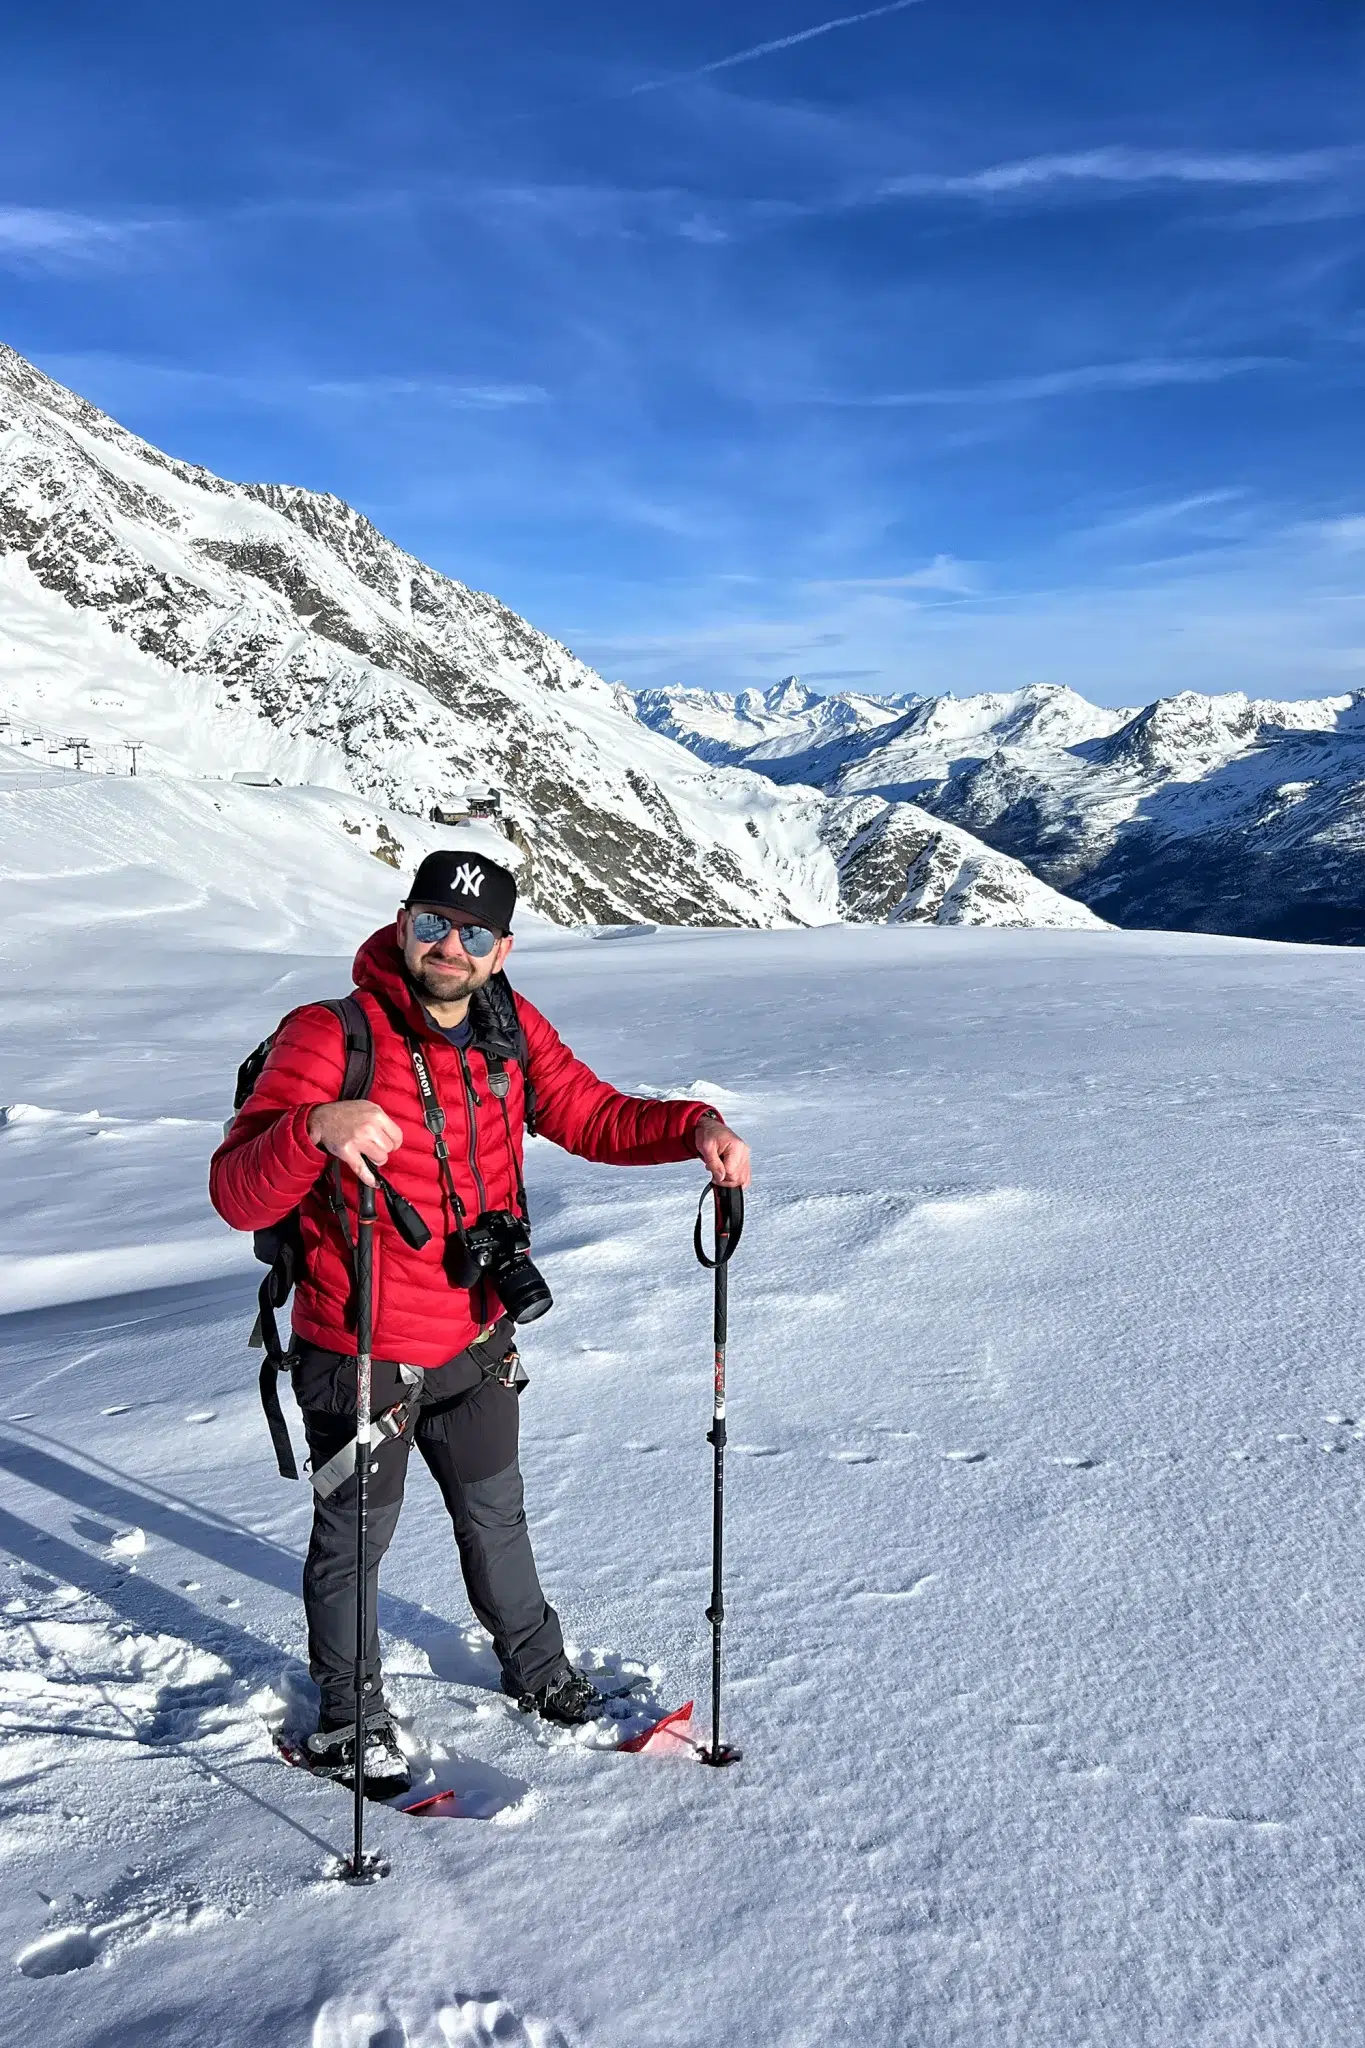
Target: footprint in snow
x=93 y=1930
x=965 y=1457
x=1234 y=1823
x=855 y=1457
x=913 y=1591
x=54 y=1954
x=360 y=2021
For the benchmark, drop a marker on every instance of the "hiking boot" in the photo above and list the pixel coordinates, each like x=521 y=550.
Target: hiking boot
x=571 y=1698
x=331 y=1751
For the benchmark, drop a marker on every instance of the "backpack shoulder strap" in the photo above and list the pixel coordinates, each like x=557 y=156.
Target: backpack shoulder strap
x=358 y=1040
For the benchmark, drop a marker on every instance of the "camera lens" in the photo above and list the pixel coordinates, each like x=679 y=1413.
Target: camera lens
x=522 y=1291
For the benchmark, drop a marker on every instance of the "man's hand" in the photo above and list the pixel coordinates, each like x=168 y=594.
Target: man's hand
x=723 y=1152
x=354 y=1132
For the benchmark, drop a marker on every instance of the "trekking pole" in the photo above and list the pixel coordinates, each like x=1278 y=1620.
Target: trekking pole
x=729 y=1223
x=362 y=1869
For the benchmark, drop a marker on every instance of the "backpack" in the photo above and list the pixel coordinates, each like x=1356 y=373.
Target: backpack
x=499 y=1036
x=280 y=1245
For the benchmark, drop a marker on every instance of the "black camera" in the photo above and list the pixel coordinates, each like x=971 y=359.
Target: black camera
x=499 y=1245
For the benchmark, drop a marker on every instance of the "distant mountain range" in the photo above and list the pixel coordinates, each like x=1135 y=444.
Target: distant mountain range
x=1215 y=814
x=260 y=627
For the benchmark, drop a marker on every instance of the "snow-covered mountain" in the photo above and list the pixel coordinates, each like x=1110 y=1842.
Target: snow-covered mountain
x=788 y=732
x=899 y=865
x=232 y=627
x=1195 y=813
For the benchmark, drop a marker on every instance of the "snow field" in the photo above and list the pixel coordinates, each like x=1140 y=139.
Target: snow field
x=1046 y=1418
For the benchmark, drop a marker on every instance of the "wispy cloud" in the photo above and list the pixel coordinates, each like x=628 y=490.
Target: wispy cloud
x=1145 y=374
x=44 y=238
x=434 y=390
x=1265 y=619
x=1195 y=522
x=944 y=573
x=1174 y=511
x=115 y=380
x=1343 y=536
x=618 y=213
x=1119 y=166
x=756 y=50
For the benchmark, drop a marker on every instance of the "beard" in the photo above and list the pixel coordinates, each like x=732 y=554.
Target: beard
x=444 y=981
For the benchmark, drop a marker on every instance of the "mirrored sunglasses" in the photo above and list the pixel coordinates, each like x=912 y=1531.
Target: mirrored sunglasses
x=429 y=927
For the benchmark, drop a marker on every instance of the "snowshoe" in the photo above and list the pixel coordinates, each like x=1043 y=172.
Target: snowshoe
x=570 y=1699
x=330 y=1753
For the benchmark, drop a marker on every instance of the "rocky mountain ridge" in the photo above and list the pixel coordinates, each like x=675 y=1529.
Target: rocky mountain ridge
x=1203 y=813
x=228 y=627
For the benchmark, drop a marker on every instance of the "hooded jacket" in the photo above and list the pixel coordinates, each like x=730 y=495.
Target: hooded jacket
x=267 y=1164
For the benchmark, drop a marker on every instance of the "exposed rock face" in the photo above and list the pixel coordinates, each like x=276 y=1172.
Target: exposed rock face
x=1194 y=813
x=229 y=627
x=899 y=865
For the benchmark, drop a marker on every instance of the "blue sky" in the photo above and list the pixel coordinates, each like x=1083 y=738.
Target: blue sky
x=955 y=346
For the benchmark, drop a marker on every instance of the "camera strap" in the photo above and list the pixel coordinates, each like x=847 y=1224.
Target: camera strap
x=434 y=1117
x=500 y=1095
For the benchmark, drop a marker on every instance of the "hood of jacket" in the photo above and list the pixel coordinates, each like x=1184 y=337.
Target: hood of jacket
x=379 y=970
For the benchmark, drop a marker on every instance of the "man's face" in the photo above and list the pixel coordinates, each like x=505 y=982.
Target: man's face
x=443 y=971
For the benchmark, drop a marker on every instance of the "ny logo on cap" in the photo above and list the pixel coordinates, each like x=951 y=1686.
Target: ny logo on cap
x=467 y=878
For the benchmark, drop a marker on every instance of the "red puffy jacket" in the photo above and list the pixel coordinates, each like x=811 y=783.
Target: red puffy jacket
x=268 y=1165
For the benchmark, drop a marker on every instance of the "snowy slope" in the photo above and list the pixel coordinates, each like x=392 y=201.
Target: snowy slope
x=1044 y=1630
x=1209 y=813
x=231 y=627
x=211 y=867
x=259 y=626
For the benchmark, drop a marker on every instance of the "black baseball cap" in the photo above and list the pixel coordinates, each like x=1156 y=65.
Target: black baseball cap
x=468 y=882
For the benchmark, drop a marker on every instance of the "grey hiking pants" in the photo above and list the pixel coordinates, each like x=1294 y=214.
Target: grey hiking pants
x=466 y=1432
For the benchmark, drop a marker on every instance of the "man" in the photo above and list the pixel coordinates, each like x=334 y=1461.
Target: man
x=461 y=1066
